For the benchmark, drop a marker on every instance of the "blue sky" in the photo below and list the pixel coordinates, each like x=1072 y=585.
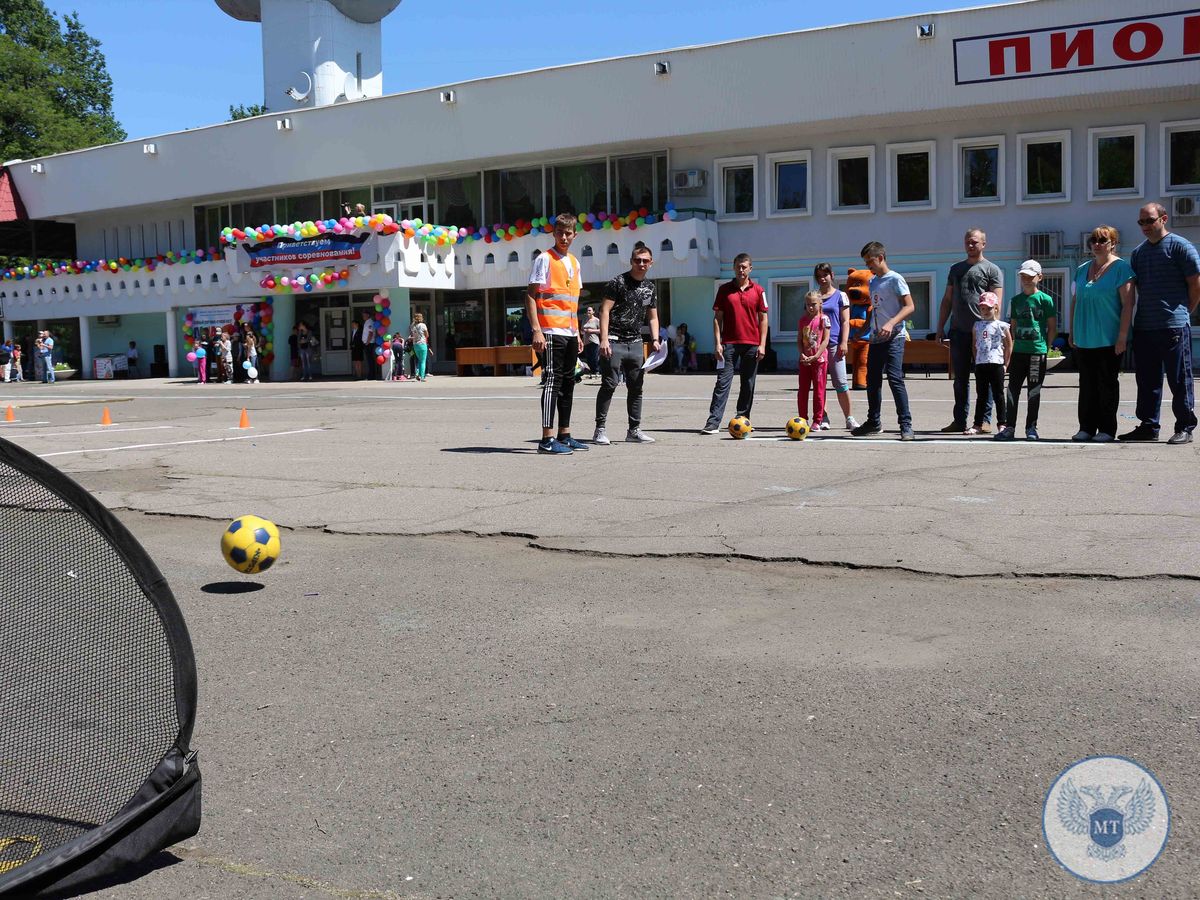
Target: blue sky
x=178 y=64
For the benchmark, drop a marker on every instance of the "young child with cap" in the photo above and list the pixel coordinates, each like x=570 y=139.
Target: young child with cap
x=1034 y=322
x=993 y=350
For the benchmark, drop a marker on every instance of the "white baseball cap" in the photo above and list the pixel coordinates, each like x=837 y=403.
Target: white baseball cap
x=1030 y=267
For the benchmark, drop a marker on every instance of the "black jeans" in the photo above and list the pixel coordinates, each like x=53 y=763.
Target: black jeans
x=1031 y=366
x=1169 y=351
x=1099 y=389
x=627 y=358
x=962 y=357
x=742 y=359
x=558 y=388
x=887 y=357
x=989 y=379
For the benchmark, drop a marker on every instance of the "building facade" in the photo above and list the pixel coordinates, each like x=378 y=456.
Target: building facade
x=1034 y=121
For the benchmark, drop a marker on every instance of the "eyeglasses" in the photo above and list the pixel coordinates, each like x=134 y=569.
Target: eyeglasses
x=1145 y=222
x=1096 y=242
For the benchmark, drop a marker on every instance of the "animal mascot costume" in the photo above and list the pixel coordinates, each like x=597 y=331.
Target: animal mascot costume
x=858 y=291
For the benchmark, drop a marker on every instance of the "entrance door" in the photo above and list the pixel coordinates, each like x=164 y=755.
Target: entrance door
x=335 y=341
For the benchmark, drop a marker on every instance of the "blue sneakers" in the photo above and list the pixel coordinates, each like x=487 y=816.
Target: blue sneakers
x=550 y=445
x=571 y=444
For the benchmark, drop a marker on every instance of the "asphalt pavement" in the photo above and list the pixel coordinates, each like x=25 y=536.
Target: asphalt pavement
x=764 y=668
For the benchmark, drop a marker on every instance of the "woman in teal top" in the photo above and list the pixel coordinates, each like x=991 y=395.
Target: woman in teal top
x=1100 y=320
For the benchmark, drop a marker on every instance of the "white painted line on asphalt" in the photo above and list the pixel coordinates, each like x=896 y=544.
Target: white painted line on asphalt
x=99 y=431
x=25 y=424
x=244 y=437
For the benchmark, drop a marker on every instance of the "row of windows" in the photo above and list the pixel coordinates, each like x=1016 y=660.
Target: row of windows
x=608 y=184
x=1116 y=170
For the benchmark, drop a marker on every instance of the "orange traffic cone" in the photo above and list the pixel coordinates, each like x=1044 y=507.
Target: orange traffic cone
x=245 y=421
x=105 y=417
x=10 y=414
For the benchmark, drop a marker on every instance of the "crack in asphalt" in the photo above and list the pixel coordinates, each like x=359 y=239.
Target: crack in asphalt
x=536 y=542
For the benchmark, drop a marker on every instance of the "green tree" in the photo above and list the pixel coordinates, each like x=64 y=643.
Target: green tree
x=242 y=111
x=55 y=90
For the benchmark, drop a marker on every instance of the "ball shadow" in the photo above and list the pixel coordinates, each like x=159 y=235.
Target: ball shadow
x=232 y=587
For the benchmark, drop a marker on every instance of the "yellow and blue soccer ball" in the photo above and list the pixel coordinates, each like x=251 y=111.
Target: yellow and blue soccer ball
x=251 y=544
x=797 y=428
x=740 y=427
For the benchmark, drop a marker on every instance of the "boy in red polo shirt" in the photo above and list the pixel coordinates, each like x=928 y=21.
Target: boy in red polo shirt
x=740 y=339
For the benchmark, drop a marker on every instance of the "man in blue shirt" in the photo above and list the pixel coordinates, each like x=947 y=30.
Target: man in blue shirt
x=1167 y=270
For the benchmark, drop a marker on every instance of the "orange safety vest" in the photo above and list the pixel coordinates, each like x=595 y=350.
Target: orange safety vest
x=558 y=298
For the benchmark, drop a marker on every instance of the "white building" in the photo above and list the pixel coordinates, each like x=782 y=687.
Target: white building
x=1034 y=121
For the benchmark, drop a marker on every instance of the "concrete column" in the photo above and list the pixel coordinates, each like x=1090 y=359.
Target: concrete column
x=8 y=330
x=85 y=347
x=283 y=315
x=172 y=344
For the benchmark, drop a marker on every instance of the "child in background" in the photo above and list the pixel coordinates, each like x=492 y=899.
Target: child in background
x=16 y=373
x=226 y=358
x=131 y=359
x=993 y=350
x=398 y=357
x=250 y=343
x=1034 y=322
x=891 y=304
x=813 y=340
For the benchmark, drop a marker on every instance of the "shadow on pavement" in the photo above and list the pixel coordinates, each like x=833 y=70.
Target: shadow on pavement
x=232 y=587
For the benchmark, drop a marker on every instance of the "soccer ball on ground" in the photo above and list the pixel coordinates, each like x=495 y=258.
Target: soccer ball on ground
x=250 y=544
x=797 y=428
x=740 y=427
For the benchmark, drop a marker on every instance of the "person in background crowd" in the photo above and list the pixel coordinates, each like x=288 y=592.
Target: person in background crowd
x=960 y=310
x=304 y=344
x=418 y=337
x=47 y=353
x=131 y=359
x=739 y=339
x=16 y=371
x=1101 y=316
x=590 y=329
x=6 y=357
x=294 y=352
x=226 y=343
x=250 y=342
x=836 y=306
x=356 y=351
x=1167 y=269
x=366 y=333
x=237 y=373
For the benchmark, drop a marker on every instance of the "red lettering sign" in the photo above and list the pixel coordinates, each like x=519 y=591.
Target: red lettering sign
x=1082 y=49
x=1021 y=55
x=1191 y=35
x=1152 y=41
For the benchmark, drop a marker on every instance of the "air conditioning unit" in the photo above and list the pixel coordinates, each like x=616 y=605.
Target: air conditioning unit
x=1185 y=210
x=108 y=320
x=689 y=179
x=1043 y=244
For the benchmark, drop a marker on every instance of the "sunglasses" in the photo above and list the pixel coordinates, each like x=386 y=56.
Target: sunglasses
x=1145 y=222
x=1096 y=242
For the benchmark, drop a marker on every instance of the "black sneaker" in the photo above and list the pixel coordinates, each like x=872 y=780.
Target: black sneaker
x=906 y=434
x=1141 y=433
x=866 y=428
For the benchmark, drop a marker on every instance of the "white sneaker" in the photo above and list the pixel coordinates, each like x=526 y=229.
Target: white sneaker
x=637 y=436
x=824 y=426
x=851 y=423
x=1082 y=437
x=1102 y=438
x=707 y=430
x=601 y=437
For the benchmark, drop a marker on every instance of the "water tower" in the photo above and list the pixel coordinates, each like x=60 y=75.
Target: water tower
x=317 y=52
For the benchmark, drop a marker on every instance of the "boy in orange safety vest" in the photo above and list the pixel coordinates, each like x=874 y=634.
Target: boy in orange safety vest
x=552 y=304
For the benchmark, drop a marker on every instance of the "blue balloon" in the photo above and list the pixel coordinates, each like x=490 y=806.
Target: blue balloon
x=201 y=353
x=246 y=364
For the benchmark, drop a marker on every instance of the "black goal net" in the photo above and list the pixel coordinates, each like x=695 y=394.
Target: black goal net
x=97 y=690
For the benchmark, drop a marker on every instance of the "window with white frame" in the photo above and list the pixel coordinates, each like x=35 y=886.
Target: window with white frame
x=851 y=174
x=736 y=193
x=979 y=171
x=789 y=183
x=1115 y=164
x=1044 y=170
x=923 y=319
x=1180 y=145
x=910 y=178
x=786 y=305
x=1056 y=282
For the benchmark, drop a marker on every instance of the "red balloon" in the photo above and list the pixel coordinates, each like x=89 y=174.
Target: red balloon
x=379 y=359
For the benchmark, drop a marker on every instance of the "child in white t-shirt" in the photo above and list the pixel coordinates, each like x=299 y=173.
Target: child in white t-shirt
x=993 y=350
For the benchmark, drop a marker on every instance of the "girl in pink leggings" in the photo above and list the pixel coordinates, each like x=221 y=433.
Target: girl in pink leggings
x=813 y=341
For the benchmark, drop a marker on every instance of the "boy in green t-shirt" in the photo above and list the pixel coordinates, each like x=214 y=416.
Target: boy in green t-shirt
x=1034 y=323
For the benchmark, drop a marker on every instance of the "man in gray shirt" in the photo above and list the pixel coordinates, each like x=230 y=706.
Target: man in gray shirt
x=960 y=308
